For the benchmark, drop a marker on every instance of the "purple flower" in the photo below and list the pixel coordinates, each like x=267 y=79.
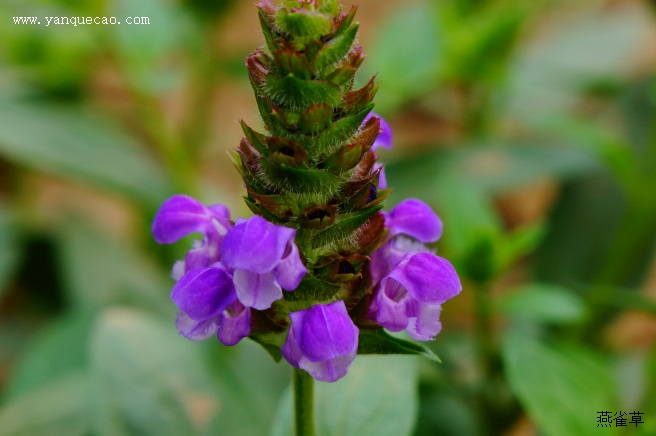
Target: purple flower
x=180 y=216
x=322 y=340
x=264 y=260
x=412 y=223
x=258 y=260
x=412 y=281
x=384 y=139
x=230 y=326
x=208 y=305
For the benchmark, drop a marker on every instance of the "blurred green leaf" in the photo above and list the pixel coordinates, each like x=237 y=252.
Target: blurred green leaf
x=443 y=413
x=620 y=298
x=562 y=388
x=56 y=409
x=380 y=342
x=57 y=61
x=550 y=73
x=569 y=255
x=147 y=380
x=543 y=303
x=9 y=248
x=59 y=349
x=248 y=380
x=99 y=270
x=405 y=55
x=597 y=140
x=519 y=242
x=468 y=215
x=377 y=397
x=494 y=168
x=478 y=42
x=145 y=51
x=72 y=143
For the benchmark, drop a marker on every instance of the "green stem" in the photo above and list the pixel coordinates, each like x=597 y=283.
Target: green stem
x=303 y=403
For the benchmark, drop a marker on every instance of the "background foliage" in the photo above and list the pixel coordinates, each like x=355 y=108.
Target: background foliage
x=530 y=126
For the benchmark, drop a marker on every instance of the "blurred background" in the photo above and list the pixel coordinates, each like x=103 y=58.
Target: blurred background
x=529 y=125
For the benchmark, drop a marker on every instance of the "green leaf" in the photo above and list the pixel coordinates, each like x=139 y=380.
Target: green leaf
x=300 y=94
x=271 y=343
x=335 y=49
x=59 y=349
x=380 y=342
x=300 y=181
x=543 y=303
x=334 y=136
x=378 y=396
x=562 y=388
x=308 y=292
x=146 y=378
x=56 y=409
x=257 y=140
x=406 y=55
x=71 y=143
x=303 y=23
x=345 y=227
x=9 y=248
x=99 y=270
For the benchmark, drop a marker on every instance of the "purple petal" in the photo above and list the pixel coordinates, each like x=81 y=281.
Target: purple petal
x=391 y=302
x=425 y=324
x=204 y=293
x=385 y=137
x=427 y=278
x=235 y=324
x=220 y=211
x=325 y=331
x=195 y=330
x=414 y=218
x=328 y=370
x=202 y=255
x=255 y=245
x=290 y=350
x=258 y=291
x=391 y=254
x=179 y=216
x=382 y=178
x=290 y=271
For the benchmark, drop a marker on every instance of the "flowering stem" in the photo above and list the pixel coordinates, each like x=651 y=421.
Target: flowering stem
x=303 y=403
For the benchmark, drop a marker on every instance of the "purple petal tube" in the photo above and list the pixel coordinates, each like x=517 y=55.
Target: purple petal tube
x=181 y=215
x=256 y=245
x=322 y=340
x=414 y=218
x=410 y=296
